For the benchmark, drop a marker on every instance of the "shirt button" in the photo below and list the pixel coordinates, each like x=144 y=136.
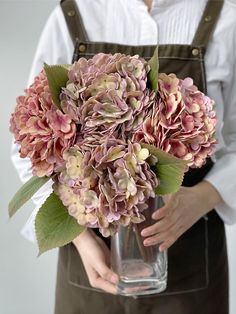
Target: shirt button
x=71 y=13
x=207 y=18
x=195 y=52
x=82 y=48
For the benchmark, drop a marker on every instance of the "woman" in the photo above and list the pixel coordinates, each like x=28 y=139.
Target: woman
x=192 y=36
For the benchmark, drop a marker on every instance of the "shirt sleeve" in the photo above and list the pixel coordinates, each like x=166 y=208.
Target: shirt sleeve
x=223 y=175
x=54 y=47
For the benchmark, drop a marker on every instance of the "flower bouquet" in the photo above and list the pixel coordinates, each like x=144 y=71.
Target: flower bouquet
x=113 y=134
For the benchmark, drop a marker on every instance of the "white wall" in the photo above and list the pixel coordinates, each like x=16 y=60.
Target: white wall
x=27 y=283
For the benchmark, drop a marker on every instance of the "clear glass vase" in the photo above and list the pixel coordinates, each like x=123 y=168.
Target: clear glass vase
x=142 y=270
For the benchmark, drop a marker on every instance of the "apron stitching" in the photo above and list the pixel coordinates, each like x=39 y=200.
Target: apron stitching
x=206 y=252
x=85 y=287
x=202 y=64
x=169 y=57
x=181 y=58
x=175 y=292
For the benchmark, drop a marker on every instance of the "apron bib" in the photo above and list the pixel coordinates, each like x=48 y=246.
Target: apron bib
x=197 y=262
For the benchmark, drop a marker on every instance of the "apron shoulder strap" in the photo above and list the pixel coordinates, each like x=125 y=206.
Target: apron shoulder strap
x=208 y=22
x=74 y=20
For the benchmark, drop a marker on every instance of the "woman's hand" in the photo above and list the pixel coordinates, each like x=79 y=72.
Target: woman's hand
x=180 y=212
x=95 y=256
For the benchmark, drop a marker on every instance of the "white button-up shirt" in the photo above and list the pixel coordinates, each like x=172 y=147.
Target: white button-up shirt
x=168 y=22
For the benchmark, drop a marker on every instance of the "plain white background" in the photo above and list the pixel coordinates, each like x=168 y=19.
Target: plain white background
x=27 y=283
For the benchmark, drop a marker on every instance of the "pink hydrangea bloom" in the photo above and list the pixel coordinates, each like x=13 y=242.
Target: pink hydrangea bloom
x=42 y=130
x=107 y=93
x=181 y=121
x=107 y=186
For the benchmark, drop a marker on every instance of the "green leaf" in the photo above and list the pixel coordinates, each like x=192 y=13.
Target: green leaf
x=54 y=226
x=154 y=69
x=25 y=193
x=169 y=169
x=57 y=76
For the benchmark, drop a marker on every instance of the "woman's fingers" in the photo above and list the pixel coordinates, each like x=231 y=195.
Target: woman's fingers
x=158 y=227
x=167 y=244
x=160 y=213
x=107 y=274
x=106 y=285
x=180 y=212
x=96 y=259
x=102 y=277
x=161 y=225
x=171 y=239
x=167 y=209
x=96 y=281
x=106 y=251
x=155 y=239
x=165 y=238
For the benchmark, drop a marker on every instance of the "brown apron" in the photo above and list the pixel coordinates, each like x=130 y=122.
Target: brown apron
x=197 y=262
